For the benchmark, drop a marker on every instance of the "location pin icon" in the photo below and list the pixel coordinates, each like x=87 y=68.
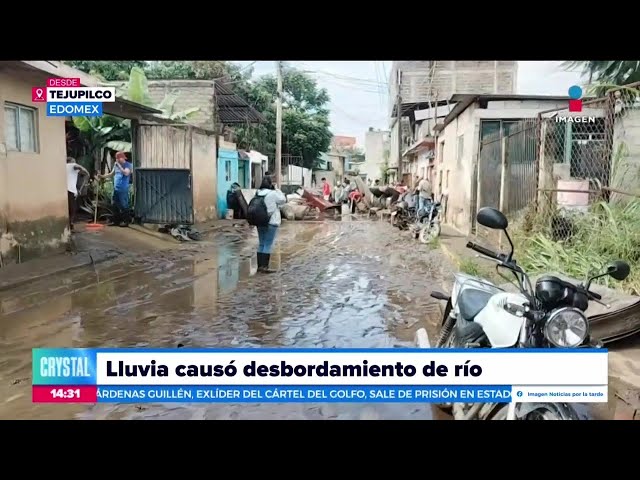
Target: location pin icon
x=39 y=92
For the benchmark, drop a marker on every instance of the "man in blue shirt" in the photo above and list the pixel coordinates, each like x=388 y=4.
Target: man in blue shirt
x=121 y=175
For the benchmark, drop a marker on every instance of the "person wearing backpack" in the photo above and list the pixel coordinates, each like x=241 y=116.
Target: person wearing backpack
x=264 y=214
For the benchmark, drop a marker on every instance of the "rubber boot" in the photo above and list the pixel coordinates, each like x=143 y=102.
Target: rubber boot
x=260 y=262
x=125 y=218
x=116 y=218
x=266 y=269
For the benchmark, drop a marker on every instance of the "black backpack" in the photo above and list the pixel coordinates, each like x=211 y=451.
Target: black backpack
x=257 y=214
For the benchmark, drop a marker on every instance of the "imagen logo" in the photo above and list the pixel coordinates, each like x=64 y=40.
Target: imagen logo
x=575 y=107
x=575 y=102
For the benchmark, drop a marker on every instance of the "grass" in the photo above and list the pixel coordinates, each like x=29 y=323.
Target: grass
x=470 y=267
x=609 y=231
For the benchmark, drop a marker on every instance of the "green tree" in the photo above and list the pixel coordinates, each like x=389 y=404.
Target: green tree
x=164 y=69
x=305 y=116
x=107 y=70
x=611 y=72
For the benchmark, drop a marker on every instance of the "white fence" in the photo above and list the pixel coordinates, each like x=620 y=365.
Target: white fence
x=294 y=175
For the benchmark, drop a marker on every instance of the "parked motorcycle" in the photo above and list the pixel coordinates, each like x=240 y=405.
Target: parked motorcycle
x=480 y=314
x=427 y=225
x=404 y=211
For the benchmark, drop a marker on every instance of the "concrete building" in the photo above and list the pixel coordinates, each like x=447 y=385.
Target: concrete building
x=420 y=84
x=259 y=163
x=473 y=120
x=219 y=109
x=33 y=185
x=212 y=99
x=376 y=153
x=343 y=142
x=424 y=81
x=325 y=169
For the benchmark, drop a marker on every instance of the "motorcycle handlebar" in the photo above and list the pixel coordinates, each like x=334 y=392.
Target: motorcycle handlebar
x=483 y=251
x=595 y=295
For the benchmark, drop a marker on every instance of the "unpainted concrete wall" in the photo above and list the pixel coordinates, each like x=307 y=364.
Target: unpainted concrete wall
x=625 y=172
x=461 y=172
x=191 y=94
x=375 y=145
x=204 y=170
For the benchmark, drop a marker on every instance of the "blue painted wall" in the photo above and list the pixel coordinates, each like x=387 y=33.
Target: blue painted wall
x=227 y=174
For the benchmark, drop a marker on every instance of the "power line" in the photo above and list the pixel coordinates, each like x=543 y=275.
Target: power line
x=375 y=66
x=368 y=81
x=352 y=87
x=362 y=121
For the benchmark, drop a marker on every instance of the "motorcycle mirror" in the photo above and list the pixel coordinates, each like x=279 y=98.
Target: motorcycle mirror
x=492 y=218
x=619 y=270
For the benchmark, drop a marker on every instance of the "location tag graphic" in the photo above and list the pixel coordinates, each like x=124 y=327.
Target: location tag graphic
x=38 y=94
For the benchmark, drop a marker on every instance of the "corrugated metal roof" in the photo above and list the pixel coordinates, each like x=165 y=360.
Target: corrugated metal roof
x=233 y=109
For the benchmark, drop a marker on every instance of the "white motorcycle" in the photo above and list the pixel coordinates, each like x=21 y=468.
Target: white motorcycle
x=480 y=314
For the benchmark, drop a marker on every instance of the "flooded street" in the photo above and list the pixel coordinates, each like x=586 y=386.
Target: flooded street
x=359 y=284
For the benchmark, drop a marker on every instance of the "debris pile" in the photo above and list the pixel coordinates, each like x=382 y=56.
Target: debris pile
x=375 y=200
x=298 y=207
x=183 y=233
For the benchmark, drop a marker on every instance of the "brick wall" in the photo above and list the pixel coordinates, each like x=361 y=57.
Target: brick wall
x=192 y=93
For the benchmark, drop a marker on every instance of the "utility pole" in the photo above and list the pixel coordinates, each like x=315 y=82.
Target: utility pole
x=279 y=124
x=399 y=122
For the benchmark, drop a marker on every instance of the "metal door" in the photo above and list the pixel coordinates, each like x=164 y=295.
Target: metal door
x=162 y=177
x=163 y=196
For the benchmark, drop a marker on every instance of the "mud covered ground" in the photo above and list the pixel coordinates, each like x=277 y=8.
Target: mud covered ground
x=346 y=283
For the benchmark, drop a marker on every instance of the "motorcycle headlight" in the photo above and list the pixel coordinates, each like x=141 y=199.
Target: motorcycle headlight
x=566 y=327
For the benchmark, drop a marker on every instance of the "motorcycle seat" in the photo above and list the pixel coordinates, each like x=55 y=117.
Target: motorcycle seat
x=471 y=301
x=470 y=332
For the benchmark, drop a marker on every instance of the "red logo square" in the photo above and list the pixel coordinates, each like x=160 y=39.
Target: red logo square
x=39 y=94
x=575 y=105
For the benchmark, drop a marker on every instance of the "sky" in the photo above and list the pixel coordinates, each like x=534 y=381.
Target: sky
x=359 y=90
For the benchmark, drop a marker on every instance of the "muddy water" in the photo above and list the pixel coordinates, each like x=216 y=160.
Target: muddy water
x=340 y=284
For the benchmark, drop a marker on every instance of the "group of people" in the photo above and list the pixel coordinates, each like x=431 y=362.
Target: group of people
x=273 y=199
x=121 y=174
x=345 y=191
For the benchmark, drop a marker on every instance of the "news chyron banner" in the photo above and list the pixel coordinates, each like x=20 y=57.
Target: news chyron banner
x=319 y=375
x=66 y=97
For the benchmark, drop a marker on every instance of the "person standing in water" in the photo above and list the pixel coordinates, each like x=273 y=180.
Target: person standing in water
x=273 y=198
x=326 y=189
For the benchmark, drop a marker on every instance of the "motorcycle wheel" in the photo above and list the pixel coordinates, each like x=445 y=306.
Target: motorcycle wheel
x=551 y=411
x=450 y=342
x=546 y=411
x=428 y=233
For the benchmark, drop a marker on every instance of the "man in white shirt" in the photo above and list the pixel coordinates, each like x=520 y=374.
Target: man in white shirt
x=73 y=169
